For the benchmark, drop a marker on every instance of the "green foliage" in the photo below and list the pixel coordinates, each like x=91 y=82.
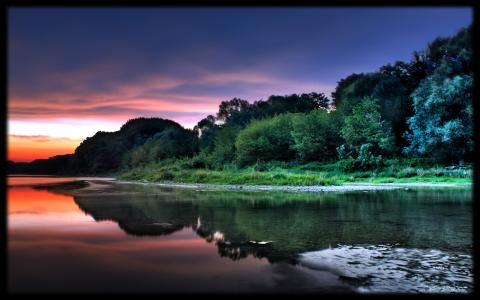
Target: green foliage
x=294 y=103
x=168 y=144
x=442 y=124
x=364 y=126
x=308 y=137
x=351 y=90
x=224 y=151
x=172 y=143
x=105 y=151
x=248 y=177
x=236 y=112
x=367 y=159
x=284 y=173
x=342 y=152
x=206 y=130
x=395 y=104
x=203 y=160
x=457 y=50
x=266 y=140
x=138 y=156
x=348 y=164
x=316 y=135
x=391 y=85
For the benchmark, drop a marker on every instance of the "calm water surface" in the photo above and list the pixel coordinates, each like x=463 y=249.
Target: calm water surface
x=78 y=235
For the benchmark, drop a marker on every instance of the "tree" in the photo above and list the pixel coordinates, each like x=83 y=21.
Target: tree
x=342 y=85
x=266 y=140
x=442 y=124
x=395 y=104
x=206 y=130
x=316 y=135
x=365 y=126
x=224 y=150
x=314 y=101
x=105 y=151
x=171 y=143
x=234 y=112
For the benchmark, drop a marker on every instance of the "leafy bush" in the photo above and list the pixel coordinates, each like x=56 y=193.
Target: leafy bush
x=224 y=148
x=342 y=152
x=202 y=160
x=169 y=144
x=364 y=126
x=105 y=151
x=349 y=164
x=316 y=135
x=365 y=161
x=407 y=172
x=442 y=124
x=366 y=158
x=266 y=140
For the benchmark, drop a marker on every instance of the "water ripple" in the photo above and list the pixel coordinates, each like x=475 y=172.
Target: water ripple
x=390 y=269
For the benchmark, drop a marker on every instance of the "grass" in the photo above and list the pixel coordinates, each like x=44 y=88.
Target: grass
x=229 y=177
x=309 y=174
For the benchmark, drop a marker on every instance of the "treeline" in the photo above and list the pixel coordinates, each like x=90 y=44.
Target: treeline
x=422 y=109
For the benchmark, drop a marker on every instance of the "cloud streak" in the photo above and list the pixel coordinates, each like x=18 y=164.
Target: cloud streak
x=163 y=97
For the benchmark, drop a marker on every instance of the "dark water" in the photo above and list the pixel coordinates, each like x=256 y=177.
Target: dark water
x=76 y=236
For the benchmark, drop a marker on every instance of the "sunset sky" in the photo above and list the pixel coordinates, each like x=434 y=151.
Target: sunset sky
x=73 y=72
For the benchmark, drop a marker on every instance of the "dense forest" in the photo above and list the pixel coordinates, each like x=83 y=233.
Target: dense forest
x=420 y=110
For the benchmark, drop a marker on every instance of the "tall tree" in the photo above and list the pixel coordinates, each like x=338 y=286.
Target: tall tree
x=441 y=126
x=365 y=126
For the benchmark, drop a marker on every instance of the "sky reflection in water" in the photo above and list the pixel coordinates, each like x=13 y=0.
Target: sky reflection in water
x=118 y=238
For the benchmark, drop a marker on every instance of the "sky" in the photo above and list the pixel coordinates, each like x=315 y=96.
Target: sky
x=75 y=71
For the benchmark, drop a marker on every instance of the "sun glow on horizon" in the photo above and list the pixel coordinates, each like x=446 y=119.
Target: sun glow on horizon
x=24 y=148
x=41 y=139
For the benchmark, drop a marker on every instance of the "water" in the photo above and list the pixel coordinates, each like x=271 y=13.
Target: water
x=79 y=235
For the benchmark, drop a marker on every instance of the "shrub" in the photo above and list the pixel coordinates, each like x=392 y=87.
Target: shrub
x=442 y=126
x=364 y=126
x=166 y=175
x=407 y=172
x=315 y=136
x=367 y=160
x=266 y=140
x=349 y=164
x=364 y=162
x=342 y=152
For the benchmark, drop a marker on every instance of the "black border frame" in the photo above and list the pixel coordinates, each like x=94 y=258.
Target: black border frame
x=475 y=5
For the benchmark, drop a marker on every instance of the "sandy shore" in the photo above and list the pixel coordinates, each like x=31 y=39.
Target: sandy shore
x=354 y=186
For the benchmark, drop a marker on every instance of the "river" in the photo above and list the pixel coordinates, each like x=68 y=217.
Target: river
x=92 y=235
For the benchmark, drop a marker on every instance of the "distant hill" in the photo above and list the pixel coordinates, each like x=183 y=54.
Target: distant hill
x=99 y=154
x=55 y=165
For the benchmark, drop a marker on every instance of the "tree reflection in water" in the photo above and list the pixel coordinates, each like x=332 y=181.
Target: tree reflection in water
x=292 y=223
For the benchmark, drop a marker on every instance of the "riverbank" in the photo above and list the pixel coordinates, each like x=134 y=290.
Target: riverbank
x=307 y=175
x=347 y=187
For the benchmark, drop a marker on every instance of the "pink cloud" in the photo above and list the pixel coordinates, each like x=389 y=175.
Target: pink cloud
x=152 y=96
